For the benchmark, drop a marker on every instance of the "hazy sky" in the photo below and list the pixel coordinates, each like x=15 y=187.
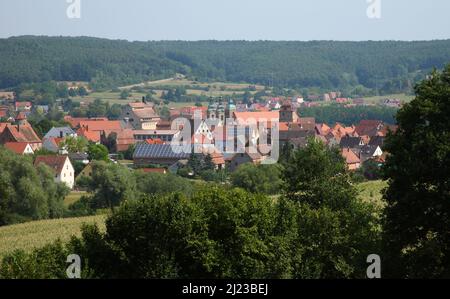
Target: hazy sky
x=229 y=19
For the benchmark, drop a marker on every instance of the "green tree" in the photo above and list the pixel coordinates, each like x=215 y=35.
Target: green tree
x=28 y=192
x=337 y=230
x=416 y=235
x=98 y=152
x=124 y=94
x=258 y=178
x=111 y=184
x=74 y=144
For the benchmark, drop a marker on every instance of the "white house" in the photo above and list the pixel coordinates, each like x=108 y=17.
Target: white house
x=64 y=171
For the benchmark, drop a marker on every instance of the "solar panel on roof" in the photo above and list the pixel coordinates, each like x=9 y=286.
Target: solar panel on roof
x=161 y=151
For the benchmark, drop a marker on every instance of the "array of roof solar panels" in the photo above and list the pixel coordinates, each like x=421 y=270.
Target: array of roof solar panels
x=162 y=151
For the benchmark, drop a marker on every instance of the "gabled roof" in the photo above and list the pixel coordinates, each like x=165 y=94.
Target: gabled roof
x=350 y=142
x=322 y=129
x=93 y=136
x=17 y=147
x=75 y=121
x=244 y=117
x=21 y=133
x=369 y=127
x=140 y=105
x=55 y=162
x=101 y=125
x=349 y=156
x=368 y=150
x=377 y=140
x=146 y=113
x=58 y=132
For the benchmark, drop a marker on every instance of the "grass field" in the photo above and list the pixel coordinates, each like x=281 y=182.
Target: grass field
x=377 y=99
x=372 y=192
x=73 y=197
x=36 y=234
x=109 y=96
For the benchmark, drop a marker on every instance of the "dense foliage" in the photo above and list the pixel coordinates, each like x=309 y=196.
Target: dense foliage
x=387 y=66
x=258 y=178
x=28 y=192
x=217 y=232
x=417 y=236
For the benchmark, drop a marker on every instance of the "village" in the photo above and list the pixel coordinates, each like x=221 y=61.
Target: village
x=147 y=138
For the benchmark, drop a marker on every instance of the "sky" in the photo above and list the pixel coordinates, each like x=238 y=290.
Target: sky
x=229 y=19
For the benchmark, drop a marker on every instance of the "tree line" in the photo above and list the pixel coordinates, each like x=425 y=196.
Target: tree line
x=379 y=66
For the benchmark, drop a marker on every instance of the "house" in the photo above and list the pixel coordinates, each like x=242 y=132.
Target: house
x=154 y=170
x=307 y=123
x=4 y=112
x=141 y=115
x=377 y=140
x=60 y=132
x=369 y=127
x=52 y=144
x=245 y=118
x=342 y=100
x=322 y=129
x=351 y=142
x=86 y=172
x=7 y=95
x=22 y=131
x=242 y=158
x=369 y=152
x=102 y=125
x=123 y=140
x=351 y=159
x=21 y=148
x=61 y=165
x=23 y=106
x=163 y=154
x=93 y=136
x=396 y=103
x=164 y=135
x=75 y=121
x=79 y=157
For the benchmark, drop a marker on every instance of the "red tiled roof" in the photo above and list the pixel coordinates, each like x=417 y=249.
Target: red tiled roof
x=21 y=116
x=154 y=170
x=101 y=125
x=23 y=104
x=75 y=121
x=154 y=141
x=244 y=117
x=54 y=162
x=20 y=133
x=17 y=147
x=93 y=136
x=349 y=156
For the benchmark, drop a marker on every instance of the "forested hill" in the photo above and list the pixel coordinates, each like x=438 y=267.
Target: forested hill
x=388 y=66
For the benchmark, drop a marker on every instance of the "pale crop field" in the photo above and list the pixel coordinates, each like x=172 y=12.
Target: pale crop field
x=35 y=234
x=372 y=192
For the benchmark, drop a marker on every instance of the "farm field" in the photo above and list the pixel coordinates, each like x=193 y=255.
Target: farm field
x=110 y=97
x=30 y=235
x=34 y=234
x=73 y=196
x=372 y=192
x=377 y=99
